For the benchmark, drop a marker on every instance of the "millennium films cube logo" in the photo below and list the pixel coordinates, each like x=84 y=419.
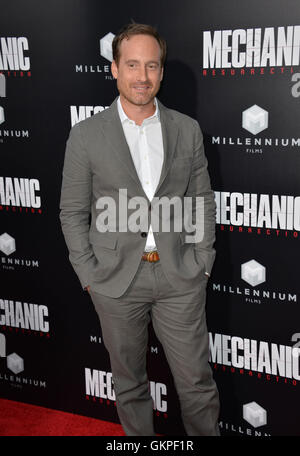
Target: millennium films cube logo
x=254 y=414
x=255 y=119
x=7 y=244
x=253 y=273
x=14 y=362
x=106 y=46
x=2 y=116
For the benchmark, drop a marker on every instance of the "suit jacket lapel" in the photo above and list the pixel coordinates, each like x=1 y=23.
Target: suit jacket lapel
x=170 y=136
x=114 y=133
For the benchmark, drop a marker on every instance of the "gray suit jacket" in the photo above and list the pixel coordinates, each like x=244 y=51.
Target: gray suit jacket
x=97 y=164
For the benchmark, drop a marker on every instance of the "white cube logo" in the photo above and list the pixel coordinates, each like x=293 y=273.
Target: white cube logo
x=15 y=363
x=254 y=414
x=7 y=244
x=255 y=119
x=253 y=273
x=106 y=46
x=2 y=117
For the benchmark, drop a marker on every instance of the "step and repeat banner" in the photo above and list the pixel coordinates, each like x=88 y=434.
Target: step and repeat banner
x=235 y=67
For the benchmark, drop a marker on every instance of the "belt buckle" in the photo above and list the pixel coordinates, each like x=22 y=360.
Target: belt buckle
x=150 y=256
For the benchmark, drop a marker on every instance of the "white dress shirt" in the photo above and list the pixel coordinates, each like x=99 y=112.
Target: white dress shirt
x=145 y=143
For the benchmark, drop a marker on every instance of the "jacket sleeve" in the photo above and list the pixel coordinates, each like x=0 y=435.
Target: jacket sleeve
x=75 y=205
x=203 y=203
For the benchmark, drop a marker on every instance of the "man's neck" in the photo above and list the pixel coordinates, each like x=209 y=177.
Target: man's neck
x=137 y=113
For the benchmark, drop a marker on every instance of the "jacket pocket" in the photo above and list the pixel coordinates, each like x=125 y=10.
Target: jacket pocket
x=108 y=240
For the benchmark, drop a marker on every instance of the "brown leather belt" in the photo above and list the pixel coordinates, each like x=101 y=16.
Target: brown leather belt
x=152 y=256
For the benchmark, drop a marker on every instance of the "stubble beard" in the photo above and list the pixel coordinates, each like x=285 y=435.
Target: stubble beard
x=139 y=100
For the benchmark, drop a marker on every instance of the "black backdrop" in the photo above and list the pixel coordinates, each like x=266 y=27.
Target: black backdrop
x=51 y=352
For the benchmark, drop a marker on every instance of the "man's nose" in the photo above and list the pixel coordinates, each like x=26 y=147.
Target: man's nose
x=143 y=75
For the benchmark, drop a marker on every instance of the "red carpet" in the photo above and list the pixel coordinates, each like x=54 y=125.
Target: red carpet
x=19 y=419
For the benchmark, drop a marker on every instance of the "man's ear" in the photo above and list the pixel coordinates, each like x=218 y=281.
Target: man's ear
x=162 y=74
x=114 y=69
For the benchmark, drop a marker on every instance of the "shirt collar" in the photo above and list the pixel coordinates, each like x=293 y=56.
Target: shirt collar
x=124 y=117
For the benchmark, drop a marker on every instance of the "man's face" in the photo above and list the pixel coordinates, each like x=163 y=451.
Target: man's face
x=139 y=71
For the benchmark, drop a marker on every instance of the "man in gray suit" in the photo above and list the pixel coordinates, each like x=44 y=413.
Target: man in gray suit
x=138 y=151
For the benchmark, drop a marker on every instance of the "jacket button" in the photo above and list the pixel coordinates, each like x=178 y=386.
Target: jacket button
x=143 y=234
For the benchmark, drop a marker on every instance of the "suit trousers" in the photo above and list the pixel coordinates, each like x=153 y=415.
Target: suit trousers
x=179 y=322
